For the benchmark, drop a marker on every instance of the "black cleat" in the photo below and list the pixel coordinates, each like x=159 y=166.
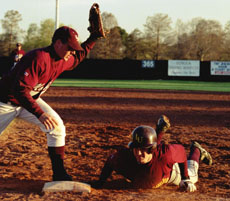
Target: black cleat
x=62 y=177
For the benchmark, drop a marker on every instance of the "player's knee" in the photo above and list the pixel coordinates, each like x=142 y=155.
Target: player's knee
x=59 y=130
x=56 y=137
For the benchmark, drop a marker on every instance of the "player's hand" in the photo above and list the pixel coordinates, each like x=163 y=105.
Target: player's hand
x=188 y=185
x=48 y=121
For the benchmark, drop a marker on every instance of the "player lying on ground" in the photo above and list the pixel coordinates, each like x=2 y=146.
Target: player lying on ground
x=21 y=89
x=149 y=163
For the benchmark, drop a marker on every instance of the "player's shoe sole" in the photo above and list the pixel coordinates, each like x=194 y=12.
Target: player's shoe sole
x=204 y=155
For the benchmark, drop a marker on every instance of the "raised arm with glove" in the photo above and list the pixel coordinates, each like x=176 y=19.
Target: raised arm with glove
x=95 y=22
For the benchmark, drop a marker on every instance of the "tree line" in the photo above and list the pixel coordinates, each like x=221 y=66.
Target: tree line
x=198 y=39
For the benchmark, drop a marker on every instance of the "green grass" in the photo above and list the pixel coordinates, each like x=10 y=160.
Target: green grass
x=146 y=84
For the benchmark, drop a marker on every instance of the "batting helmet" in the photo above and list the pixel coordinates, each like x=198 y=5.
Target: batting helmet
x=143 y=137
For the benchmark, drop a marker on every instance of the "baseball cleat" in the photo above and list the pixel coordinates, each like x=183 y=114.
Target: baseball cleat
x=204 y=155
x=163 y=124
x=62 y=177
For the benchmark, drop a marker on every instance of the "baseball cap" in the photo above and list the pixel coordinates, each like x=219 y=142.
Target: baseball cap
x=67 y=35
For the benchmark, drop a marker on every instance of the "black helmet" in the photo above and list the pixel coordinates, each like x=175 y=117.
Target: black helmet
x=143 y=137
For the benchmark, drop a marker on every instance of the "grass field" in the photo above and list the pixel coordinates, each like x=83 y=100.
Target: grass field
x=146 y=84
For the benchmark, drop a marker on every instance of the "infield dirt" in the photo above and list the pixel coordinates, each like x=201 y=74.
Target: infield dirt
x=98 y=121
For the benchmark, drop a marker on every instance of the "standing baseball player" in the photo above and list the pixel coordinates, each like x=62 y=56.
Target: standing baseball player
x=149 y=163
x=21 y=89
x=17 y=54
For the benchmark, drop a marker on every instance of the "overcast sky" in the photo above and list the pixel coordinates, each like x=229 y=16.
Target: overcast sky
x=130 y=14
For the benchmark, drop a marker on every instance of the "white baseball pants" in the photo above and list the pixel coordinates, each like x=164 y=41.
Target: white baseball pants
x=192 y=172
x=55 y=137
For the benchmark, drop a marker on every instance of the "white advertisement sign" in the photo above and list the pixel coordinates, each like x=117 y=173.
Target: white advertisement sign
x=184 y=68
x=220 y=68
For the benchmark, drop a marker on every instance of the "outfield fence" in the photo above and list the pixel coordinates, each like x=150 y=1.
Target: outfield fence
x=126 y=69
x=151 y=70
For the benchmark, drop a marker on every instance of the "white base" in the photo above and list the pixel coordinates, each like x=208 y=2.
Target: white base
x=56 y=186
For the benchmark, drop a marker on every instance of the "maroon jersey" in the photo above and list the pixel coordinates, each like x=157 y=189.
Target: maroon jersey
x=35 y=72
x=16 y=55
x=150 y=175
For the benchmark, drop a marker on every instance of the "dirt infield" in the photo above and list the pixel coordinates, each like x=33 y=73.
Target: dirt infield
x=98 y=121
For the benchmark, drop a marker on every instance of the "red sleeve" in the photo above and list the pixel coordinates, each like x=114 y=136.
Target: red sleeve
x=88 y=44
x=26 y=79
x=121 y=162
x=108 y=167
x=80 y=55
x=159 y=137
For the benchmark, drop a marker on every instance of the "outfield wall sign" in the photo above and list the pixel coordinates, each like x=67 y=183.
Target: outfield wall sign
x=184 y=68
x=148 y=64
x=220 y=68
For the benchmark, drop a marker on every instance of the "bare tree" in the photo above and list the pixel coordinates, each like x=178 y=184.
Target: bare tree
x=109 y=21
x=206 y=40
x=158 y=28
x=11 y=29
x=226 y=42
x=180 y=49
x=112 y=46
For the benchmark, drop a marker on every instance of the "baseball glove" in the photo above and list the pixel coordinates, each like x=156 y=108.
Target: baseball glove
x=163 y=124
x=95 y=21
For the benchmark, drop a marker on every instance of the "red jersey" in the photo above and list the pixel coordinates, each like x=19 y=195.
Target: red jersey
x=150 y=175
x=34 y=73
x=16 y=55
